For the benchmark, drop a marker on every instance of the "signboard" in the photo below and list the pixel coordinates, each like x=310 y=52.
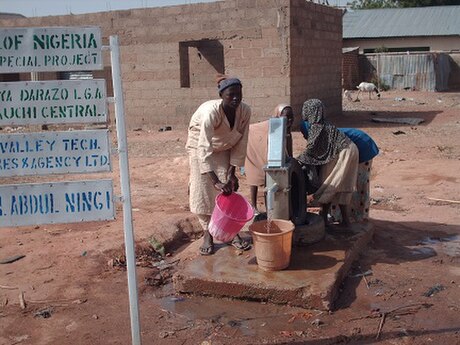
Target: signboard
x=52 y=102
x=60 y=202
x=54 y=153
x=63 y=49
x=50 y=49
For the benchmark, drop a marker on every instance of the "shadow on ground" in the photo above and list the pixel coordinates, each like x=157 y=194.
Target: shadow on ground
x=395 y=243
x=364 y=118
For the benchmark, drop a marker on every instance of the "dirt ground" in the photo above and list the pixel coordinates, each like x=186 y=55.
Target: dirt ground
x=75 y=286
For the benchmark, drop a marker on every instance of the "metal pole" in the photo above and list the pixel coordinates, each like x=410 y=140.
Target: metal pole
x=125 y=191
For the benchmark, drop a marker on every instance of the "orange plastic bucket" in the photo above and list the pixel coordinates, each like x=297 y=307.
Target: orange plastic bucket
x=229 y=216
x=272 y=243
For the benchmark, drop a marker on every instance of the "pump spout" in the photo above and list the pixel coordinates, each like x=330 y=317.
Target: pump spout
x=271 y=197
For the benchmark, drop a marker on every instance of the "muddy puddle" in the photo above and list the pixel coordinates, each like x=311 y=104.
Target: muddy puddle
x=433 y=246
x=247 y=318
x=446 y=245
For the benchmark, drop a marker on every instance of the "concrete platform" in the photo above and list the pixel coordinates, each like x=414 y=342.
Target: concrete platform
x=312 y=279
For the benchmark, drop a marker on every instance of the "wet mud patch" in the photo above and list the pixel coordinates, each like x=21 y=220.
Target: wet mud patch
x=146 y=256
x=154 y=266
x=155 y=259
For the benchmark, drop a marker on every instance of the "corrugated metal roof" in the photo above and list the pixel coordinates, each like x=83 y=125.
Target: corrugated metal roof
x=402 y=22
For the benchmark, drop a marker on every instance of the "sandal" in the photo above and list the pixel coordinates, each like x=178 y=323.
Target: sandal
x=240 y=244
x=207 y=250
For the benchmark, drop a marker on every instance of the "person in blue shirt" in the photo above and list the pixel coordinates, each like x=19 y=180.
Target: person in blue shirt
x=367 y=151
x=336 y=158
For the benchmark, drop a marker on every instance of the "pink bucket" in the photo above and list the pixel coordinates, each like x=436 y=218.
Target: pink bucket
x=230 y=214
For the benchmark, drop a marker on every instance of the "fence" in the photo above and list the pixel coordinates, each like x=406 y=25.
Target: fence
x=420 y=71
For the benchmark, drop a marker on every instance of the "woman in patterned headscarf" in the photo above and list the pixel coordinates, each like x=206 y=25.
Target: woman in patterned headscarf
x=256 y=157
x=337 y=157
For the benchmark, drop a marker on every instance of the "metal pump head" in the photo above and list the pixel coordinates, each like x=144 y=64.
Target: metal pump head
x=276 y=142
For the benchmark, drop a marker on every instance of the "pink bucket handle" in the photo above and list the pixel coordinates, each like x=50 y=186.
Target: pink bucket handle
x=241 y=199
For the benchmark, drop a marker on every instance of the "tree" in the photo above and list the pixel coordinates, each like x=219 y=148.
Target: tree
x=370 y=4
x=423 y=3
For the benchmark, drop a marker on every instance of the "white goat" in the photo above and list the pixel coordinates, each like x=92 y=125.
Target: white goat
x=367 y=87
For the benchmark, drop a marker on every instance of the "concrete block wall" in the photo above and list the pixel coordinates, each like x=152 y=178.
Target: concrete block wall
x=350 y=70
x=170 y=55
x=151 y=61
x=316 y=58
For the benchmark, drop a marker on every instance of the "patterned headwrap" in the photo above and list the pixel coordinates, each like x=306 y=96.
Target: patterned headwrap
x=324 y=140
x=227 y=83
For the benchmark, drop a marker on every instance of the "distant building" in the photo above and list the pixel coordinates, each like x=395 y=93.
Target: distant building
x=404 y=48
x=419 y=29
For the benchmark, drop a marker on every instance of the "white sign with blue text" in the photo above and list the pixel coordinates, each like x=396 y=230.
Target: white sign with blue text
x=60 y=202
x=45 y=153
x=50 y=49
x=53 y=102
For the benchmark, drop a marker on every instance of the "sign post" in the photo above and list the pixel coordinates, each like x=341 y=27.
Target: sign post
x=125 y=190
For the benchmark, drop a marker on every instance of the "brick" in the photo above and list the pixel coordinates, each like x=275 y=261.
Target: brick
x=246 y=3
x=272 y=71
x=174 y=10
x=250 y=72
x=227 y=4
x=250 y=53
x=259 y=43
x=232 y=53
x=269 y=62
x=209 y=8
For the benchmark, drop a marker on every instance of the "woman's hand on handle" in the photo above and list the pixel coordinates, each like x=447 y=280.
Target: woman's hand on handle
x=230 y=186
x=225 y=188
x=232 y=179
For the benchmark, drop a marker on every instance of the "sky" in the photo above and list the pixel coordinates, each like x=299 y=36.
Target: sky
x=39 y=8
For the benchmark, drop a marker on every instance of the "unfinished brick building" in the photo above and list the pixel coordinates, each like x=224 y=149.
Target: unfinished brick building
x=350 y=68
x=282 y=50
